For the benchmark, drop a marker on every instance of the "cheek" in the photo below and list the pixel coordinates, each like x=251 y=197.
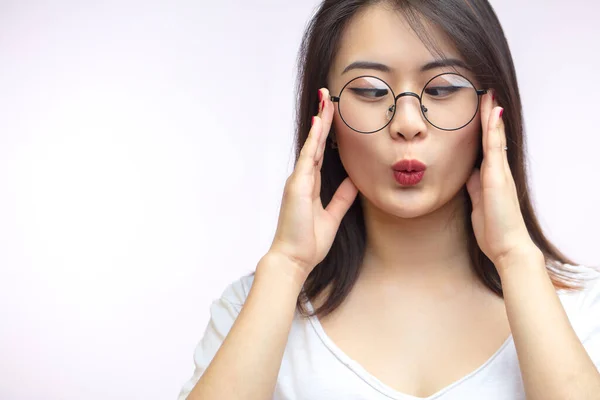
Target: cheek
x=471 y=142
x=463 y=152
x=358 y=153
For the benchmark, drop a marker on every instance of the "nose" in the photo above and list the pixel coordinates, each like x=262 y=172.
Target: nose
x=408 y=121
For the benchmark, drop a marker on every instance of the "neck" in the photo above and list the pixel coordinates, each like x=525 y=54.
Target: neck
x=429 y=251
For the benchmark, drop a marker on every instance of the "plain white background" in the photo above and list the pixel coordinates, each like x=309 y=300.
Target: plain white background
x=144 y=146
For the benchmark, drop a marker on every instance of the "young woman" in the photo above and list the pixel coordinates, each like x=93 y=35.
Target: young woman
x=426 y=275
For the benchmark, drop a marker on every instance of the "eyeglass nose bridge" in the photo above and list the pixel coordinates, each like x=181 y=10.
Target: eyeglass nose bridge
x=392 y=108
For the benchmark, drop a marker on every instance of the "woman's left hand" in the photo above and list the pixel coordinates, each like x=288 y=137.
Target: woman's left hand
x=497 y=220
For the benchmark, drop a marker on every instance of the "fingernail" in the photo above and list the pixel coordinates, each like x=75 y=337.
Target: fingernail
x=501 y=112
x=322 y=105
x=320 y=95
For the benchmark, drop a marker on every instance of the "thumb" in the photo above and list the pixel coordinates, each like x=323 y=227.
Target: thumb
x=474 y=187
x=342 y=200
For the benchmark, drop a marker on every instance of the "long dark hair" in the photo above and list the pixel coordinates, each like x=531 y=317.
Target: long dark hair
x=479 y=38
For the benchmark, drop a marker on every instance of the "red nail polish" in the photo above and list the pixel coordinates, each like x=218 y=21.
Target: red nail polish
x=493 y=95
x=501 y=112
x=320 y=95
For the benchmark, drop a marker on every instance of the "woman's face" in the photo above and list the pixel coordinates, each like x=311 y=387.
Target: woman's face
x=383 y=36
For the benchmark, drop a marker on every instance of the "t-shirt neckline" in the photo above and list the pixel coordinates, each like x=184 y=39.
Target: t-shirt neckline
x=378 y=385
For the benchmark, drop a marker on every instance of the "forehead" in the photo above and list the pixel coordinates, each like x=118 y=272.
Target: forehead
x=380 y=34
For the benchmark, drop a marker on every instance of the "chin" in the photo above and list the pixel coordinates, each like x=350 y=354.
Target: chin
x=404 y=205
x=409 y=211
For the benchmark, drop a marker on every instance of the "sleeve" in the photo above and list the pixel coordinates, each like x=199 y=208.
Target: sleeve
x=223 y=312
x=590 y=314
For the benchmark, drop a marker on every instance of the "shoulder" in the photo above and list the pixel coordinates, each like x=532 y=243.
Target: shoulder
x=237 y=291
x=588 y=301
x=583 y=310
x=592 y=287
x=223 y=312
x=590 y=280
x=583 y=306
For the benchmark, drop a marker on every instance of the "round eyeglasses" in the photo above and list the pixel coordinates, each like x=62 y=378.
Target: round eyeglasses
x=449 y=102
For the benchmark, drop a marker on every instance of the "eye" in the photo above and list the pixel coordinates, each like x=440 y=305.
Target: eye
x=372 y=93
x=441 y=91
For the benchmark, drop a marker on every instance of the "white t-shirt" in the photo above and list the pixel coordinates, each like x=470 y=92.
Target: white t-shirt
x=314 y=368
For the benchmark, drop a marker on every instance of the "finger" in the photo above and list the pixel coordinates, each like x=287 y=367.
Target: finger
x=504 y=140
x=487 y=103
x=316 y=193
x=490 y=103
x=342 y=200
x=326 y=114
x=494 y=173
x=507 y=172
x=307 y=159
x=503 y=144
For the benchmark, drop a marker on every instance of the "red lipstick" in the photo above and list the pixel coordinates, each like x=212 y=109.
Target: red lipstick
x=409 y=172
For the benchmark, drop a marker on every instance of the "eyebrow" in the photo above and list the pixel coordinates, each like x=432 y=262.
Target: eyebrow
x=384 y=68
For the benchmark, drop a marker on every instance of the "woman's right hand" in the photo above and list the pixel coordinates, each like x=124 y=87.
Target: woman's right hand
x=306 y=230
